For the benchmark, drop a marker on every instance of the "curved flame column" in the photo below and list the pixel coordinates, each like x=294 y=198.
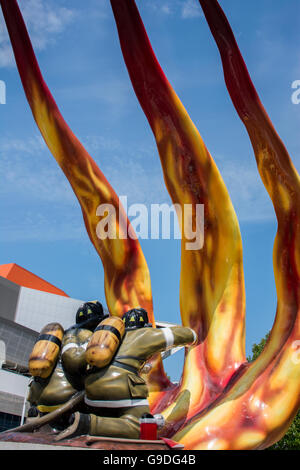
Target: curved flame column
x=212 y=299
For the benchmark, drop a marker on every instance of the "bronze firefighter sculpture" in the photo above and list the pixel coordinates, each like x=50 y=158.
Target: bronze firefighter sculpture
x=115 y=394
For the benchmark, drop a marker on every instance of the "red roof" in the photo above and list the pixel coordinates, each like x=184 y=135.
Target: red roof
x=13 y=272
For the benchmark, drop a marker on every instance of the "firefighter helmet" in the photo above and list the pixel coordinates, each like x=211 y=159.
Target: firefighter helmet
x=136 y=318
x=90 y=314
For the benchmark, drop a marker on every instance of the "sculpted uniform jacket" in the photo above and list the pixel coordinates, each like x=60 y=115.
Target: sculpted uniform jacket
x=119 y=384
x=68 y=375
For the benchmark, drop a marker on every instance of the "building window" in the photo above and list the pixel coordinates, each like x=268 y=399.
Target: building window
x=8 y=421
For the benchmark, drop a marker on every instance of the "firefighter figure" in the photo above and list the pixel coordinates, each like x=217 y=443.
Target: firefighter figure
x=116 y=395
x=57 y=362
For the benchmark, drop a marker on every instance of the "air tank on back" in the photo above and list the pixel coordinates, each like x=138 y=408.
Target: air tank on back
x=105 y=341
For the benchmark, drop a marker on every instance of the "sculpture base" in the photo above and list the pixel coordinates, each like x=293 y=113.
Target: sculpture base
x=44 y=437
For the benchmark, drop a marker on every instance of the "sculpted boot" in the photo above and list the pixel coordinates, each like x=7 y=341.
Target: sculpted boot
x=79 y=426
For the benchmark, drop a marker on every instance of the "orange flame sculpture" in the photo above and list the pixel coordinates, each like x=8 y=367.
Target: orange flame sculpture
x=222 y=402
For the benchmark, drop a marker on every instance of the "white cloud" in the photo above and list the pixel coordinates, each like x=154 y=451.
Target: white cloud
x=44 y=21
x=191 y=9
x=113 y=92
x=185 y=9
x=37 y=200
x=33 y=225
x=166 y=9
x=29 y=173
x=6 y=57
x=32 y=145
x=247 y=192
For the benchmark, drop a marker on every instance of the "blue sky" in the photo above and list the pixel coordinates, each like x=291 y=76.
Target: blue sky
x=78 y=50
